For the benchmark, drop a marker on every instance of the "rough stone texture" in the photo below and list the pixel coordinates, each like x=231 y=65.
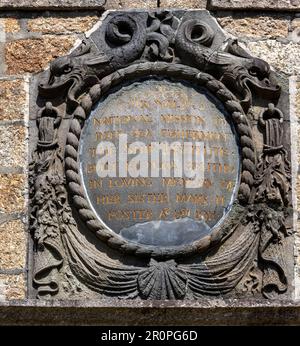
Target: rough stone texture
x=56 y=25
x=10 y=25
x=126 y=4
x=183 y=3
x=51 y=4
x=256 y=4
x=12 y=245
x=12 y=146
x=284 y=57
x=12 y=192
x=297 y=104
x=295 y=128
x=295 y=30
x=12 y=287
x=33 y=55
x=255 y=25
x=12 y=99
x=295 y=23
x=206 y=312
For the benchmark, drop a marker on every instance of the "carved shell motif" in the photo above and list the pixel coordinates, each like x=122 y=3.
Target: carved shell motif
x=162 y=280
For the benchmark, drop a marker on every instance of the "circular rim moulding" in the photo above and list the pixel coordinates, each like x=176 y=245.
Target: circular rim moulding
x=179 y=73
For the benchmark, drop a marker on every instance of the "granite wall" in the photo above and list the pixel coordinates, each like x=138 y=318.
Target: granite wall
x=32 y=33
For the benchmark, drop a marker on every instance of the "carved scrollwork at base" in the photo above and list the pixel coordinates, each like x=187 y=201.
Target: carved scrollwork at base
x=245 y=253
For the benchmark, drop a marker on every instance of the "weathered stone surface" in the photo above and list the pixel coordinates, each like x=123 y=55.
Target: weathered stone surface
x=295 y=104
x=125 y=4
x=12 y=99
x=12 y=191
x=12 y=245
x=297 y=109
x=295 y=23
x=12 y=287
x=10 y=25
x=295 y=30
x=183 y=3
x=12 y=146
x=284 y=57
x=51 y=4
x=298 y=103
x=57 y=25
x=255 y=25
x=256 y=4
x=32 y=55
x=206 y=312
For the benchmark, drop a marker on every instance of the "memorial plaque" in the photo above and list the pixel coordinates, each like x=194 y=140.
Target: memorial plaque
x=173 y=160
x=161 y=166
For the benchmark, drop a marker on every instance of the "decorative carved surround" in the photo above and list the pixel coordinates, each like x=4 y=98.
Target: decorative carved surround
x=75 y=255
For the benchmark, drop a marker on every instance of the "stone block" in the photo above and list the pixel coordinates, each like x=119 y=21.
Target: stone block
x=296 y=107
x=256 y=26
x=284 y=5
x=58 y=25
x=183 y=3
x=297 y=110
x=52 y=4
x=12 y=99
x=12 y=287
x=125 y=4
x=10 y=25
x=283 y=57
x=12 y=193
x=12 y=146
x=295 y=30
x=12 y=245
x=295 y=23
x=298 y=104
x=33 y=55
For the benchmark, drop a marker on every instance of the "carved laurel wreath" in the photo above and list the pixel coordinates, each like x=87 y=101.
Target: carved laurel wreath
x=177 y=72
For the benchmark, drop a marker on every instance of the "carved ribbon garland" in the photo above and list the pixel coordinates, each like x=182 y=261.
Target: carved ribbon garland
x=273 y=187
x=46 y=179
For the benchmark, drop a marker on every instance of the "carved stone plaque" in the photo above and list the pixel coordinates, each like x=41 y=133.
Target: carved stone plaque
x=165 y=201
x=161 y=166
